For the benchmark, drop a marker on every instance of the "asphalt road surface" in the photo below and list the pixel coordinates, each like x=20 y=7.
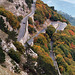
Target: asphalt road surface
x=61 y=26
x=24 y=23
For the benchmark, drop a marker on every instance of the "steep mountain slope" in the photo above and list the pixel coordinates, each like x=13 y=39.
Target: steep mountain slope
x=17 y=7
x=12 y=19
x=43 y=12
x=12 y=55
x=64 y=48
x=68 y=17
x=4 y=71
x=34 y=59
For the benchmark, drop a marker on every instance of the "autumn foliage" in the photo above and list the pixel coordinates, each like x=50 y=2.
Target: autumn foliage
x=12 y=19
x=71 y=32
x=41 y=40
x=43 y=12
x=42 y=47
x=31 y=29
x=44 y=60
x=72 y=45
x=64 y=48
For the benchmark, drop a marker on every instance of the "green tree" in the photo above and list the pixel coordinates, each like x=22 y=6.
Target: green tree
x=30 y=21
x=12 y=19
x=44 y=61
x=15 y=55
x=50 y=30
x=29 y=2
x=12 y=35
x=2 y=55
x=20 y=18
x=19 y=47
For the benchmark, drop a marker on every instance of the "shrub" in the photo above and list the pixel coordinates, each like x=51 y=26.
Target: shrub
x=50 y=30
x=15 y=55
x=2 y=25
x=16 y=69
x=49 y=47
x=46 y=50
x=30 y=21
x=31 y=29
x=12 y=19
x=39 y=18
x=19 y=47
x=12 y=35
x=47 y=37
x=62 y=62
x=2 y=56
x=20 y=18
x=61 y=69
x=73 y=54
x=29 y=2
x=66 y=52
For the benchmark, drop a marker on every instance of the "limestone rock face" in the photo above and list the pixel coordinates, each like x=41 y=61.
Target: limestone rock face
x=1 y=1
x=17 y=7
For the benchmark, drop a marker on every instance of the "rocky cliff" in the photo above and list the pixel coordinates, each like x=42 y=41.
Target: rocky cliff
x=17 y=7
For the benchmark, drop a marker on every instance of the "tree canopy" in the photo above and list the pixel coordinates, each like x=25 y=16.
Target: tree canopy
x=50 y=30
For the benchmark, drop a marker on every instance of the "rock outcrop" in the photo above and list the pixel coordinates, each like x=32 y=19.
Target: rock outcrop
x=17 y=7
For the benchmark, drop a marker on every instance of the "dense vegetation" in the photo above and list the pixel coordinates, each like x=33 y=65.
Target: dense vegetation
x=19 y=47
x=2 y=55
x=31 y=28
x=50 y=30
x=29 y=2
x=64 y=48
x=43 y=12
x=20 y=18
x=2 y=25
x=12 y=19
x=45 y=63
x=12 y=34
x=15 y=55
x=30 y=21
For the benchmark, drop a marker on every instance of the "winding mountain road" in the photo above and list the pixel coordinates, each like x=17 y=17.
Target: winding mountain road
x=24 y=27
x=32 y=39
x=58 y=25
x=24 y=22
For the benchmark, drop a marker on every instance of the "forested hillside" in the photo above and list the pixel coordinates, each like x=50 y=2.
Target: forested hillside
x=42 y=48
x=12 y=19
x=43 y=12
x=33 y=57
x=64 y=48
